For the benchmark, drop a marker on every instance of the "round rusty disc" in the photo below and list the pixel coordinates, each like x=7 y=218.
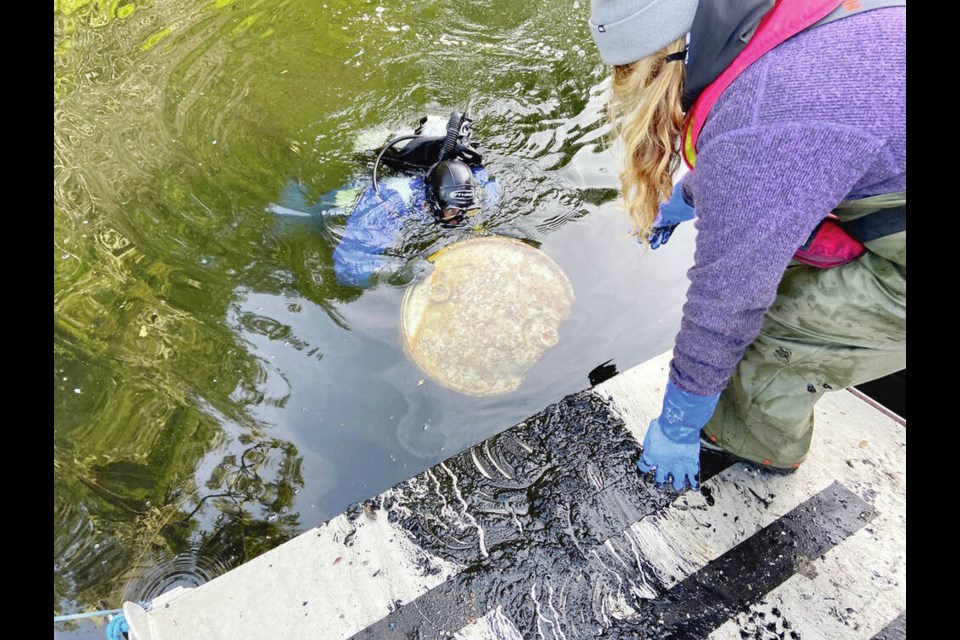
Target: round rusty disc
x=489 y=310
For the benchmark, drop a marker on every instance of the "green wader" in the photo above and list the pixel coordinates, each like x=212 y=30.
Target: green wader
x=828 y=329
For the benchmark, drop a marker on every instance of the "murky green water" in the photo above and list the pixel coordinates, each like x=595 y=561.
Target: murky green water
x=216 y=392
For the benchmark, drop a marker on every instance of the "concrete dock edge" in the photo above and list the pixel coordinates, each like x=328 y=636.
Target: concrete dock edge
x=547 y=531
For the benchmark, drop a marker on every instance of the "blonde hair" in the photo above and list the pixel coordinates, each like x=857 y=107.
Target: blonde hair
x=646 y=113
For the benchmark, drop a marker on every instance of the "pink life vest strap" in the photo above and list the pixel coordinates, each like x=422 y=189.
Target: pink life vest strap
x=786 y=19
x=830 y=244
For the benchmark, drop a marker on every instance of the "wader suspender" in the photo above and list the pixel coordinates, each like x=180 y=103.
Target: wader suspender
x=885 y=222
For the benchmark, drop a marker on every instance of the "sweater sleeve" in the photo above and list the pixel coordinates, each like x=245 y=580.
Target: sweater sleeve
x=759 y=192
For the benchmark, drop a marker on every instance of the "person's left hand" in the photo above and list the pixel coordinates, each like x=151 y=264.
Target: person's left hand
x=669 y=216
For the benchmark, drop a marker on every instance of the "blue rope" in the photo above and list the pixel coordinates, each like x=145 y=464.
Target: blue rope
x=89 y=614
x=118 y=627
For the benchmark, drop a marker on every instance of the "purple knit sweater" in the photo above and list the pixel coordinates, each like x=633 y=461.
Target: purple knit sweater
x=819 y=119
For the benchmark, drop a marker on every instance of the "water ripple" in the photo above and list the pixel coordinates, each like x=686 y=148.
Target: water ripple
x=175 y=124
x=188 y=570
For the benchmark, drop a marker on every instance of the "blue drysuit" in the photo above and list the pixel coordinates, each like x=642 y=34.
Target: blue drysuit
x=376 y=223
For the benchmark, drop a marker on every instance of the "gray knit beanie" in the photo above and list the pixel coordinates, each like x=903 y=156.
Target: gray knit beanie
x=627 y=30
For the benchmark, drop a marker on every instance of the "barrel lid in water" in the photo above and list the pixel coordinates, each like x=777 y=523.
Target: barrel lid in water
x=489 y=310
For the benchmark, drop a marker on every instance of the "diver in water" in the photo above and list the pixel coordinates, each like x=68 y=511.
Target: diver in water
x=439 y=179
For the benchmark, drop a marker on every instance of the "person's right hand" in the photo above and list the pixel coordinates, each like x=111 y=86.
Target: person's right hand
x=669 y=216
x=670 y=460
x=671 y=448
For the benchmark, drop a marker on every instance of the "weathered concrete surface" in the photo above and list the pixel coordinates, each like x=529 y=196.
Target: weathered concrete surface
x=547 y=531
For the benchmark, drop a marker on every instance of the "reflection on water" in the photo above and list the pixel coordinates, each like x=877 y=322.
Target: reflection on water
x=216 y=391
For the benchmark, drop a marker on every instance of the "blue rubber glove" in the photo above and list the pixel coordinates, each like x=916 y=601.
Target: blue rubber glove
x=491 y=188
x=671 y=447
x=669 y=216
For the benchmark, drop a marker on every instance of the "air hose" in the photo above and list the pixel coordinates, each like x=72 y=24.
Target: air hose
x=376 y=187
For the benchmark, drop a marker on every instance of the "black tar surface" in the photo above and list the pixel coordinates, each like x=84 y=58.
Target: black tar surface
x=537 y=516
